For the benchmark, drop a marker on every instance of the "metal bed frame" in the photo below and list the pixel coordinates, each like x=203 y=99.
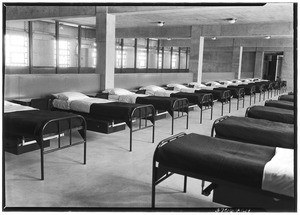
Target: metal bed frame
x=181 y=106
x=140 y=116
x=206 y=103
x=226 y=99
x=162 y=172
x=81 y=130
x=215 y=122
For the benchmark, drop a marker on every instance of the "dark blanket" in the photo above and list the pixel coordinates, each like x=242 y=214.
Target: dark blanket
x=272 y=114
x=280 y=104
x=217 y=158
x=117 y=111
x=217 y=93
x=256 y=131
x=234 y=90
x=289 y=98
x=249 y=89
x=194 y=98
x=30 y=123
x=161 y=103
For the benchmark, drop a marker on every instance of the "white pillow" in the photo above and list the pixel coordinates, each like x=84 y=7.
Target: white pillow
x=70 y=96
x=177 y=87
x=152 y=88
x=119 y=91
x=196 y=84
x=213 y=83
x=61 y=104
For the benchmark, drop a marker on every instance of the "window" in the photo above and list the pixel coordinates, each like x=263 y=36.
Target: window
x=68 y=46
x=128 y=53
x=118 y=59
x=183 y=58
x=16 y=41
x=43 y=34
x=175 y=58
x=141 y=54
x=160 y=60
x=152 y=58
x=64 y=53
x=88 y=52
x=167 y=58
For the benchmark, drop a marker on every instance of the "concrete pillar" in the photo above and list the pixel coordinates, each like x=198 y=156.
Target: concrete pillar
x=196 y=54
x=236 y=66
x=259 y=63
x=105 y=39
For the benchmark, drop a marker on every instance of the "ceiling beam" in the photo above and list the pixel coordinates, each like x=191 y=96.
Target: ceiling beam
x=46 y=12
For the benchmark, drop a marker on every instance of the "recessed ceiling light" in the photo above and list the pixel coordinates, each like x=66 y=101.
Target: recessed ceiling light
x=267 y=37
x=168 y=38
x=231 y=20
x=160 y=23
x=213 y=38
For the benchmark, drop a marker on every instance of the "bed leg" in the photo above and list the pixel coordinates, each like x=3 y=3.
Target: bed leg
x=201 y=115
x=222 y=110
x=211 y=112
x=229 y=105
x=244 y=101
x=172 y=129
x=238 y=100
x=153 y=186
x=187 y=120
x=42 y=157
x=130 y=141
x=153 y=132
x=185 y=184
x=250 y=99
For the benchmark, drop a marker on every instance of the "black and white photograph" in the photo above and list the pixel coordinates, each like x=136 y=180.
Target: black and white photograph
x=149 y=106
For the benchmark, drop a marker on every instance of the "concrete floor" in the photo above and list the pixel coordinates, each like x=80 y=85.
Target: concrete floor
x=113 y=177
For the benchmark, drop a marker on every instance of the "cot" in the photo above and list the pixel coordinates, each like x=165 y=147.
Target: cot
x=236 y=92
x=289 y=98
x=254 y=131
x=97 y=109
x=280 y=104
x=222 y=95
x=271 y=113
x=203 y=100
x=160 y=103
x=25 y=122
x=245 y=171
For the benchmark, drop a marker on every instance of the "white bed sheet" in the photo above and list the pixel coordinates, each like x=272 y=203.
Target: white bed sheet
x=13 y=107
x=278 y=174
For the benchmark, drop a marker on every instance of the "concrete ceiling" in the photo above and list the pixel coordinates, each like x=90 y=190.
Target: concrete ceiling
x=148 y=16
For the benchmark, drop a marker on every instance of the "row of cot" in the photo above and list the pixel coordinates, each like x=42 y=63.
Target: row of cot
x=249 y=162
x=94 y=109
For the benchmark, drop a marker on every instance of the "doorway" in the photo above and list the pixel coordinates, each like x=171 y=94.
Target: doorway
x=272 y=65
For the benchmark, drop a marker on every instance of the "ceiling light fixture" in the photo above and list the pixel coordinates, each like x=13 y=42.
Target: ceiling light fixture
x=213 y=38
x=168 y=38
x=231 y=20
x=160 y=23
x=267 y=37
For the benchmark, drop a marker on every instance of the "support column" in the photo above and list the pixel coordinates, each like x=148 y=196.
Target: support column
x=236 y=66
x=196 y=54
x=259 y=63
x=105 y=39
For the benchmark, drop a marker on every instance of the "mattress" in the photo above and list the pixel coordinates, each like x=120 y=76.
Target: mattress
x=161 y=103
x=256 y=131
x=280 y=104
x=289 y=98
x=216 y=158
x=194 y=98
x=217 y=93
x=30 y=122
x=272 y=113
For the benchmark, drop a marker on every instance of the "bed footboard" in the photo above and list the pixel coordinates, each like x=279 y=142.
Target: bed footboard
x=142 y=114
x=226 y=99
x=181 y=106
x=240 y=96
x=216 y=122
x=206 y=103
x=81 y=129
